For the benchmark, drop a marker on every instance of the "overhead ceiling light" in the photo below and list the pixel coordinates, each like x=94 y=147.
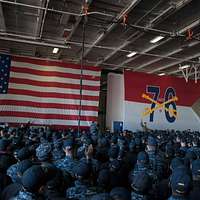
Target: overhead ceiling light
x=133 y=53
x=162 y=74
x=184 y=67
x=157 y=39
x=55 y=50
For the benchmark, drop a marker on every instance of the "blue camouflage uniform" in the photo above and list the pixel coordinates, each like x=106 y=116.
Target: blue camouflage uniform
x=66 y=164
x=25 y=196
x=57 y=154
x=43 y=151
x=143 y=166
x=177 y=198
x=81 y=191
x=181 y=184
x=78 y=191
x=15 y=171
x=12 y=172
x=196 y=150
x=156 y=160
x=141 y=183
x=135 y=196
x=93 y=128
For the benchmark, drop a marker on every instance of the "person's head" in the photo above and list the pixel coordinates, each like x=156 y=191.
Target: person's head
x=22 y=154
x=142 y=158
x=103 y=179
x=43 y=152
x=120 y=193
x=115 y=165
x=178 y=139
x=183 y=142
x=181 y=182
x=132 y=146
x=175 y=163
x=33 y=179
x=113 y=140
x=151 y=143
x=195 y=142
x=113 y=153
x=82 y=171
x=195 y=167
x=141 y=183
x=169 y=151
x=67 y=147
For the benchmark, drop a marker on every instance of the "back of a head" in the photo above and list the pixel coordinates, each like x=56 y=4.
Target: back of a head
x=82 y=170
x=141 y=183
x=33 y=178
x=120 y=193
x=180 y=182
x=196 y=170
x=143 y=158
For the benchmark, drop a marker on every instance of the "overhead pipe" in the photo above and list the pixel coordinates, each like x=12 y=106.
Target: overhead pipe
x=129 y=41
x=23 y=39
x=62 y=46
x=56 y=11
x=177 y=6
x=168 y=54
x=44 y=17
x=77 y=23
x=113 y=24
x=187 y=59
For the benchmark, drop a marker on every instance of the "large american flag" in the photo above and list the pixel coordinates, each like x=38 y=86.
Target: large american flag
x=47 y=92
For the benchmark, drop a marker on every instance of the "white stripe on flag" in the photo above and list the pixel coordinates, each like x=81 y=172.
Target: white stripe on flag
x=52 y=89
x=53 y=79
x=48 y=100
x=46 y=110
x=43 y=121
x=54 y=68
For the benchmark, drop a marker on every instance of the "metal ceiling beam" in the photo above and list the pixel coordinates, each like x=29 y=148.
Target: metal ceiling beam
x=165 y=55
x=174 y=6
x=47 y=42
x=60 y=44
x=175 y=63
x=2 y=20
x=75 y=27
x=192 y=25
x=126 y=10
x=117 y=49
x=128 y=41
x=174 y=72
x=143 y=52
x=44 y=18
x=55 y=11
x=177 y=7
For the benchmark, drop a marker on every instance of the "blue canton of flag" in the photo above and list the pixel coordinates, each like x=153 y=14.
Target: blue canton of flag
x=5 y=62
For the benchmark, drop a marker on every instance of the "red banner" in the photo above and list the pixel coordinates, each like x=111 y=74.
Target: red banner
x=138 y=84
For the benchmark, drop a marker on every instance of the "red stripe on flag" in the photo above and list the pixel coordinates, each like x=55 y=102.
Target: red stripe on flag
x=53 y=63
x=46 y=116
x=47 y=105
x=51 y=95
x=59 y=127
x=53 y=73
x=52 y=84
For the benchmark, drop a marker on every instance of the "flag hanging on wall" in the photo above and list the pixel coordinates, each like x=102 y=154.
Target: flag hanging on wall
x=47 y=92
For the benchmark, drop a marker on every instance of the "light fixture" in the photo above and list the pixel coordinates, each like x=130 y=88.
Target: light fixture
x=156 y=39
x=184 y=67
x=133 y=53
x=55 y=50
x=161 y=74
